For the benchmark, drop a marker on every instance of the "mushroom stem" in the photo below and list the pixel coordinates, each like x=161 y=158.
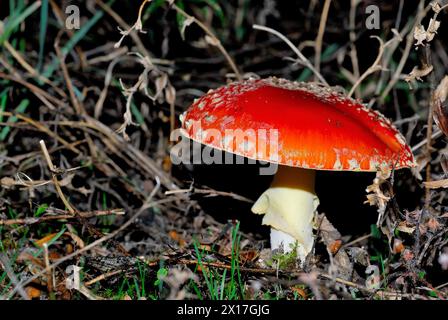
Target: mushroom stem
x=289 y=207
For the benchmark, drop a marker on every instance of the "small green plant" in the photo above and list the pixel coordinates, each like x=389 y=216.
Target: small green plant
x=161 y=274
x=226 y=284
x=40 y=210
x=283 y=260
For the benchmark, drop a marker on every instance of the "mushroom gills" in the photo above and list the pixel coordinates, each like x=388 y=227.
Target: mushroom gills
x=289 y=207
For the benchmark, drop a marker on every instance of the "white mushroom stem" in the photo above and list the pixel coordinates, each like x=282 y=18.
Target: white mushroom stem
x=289 y=207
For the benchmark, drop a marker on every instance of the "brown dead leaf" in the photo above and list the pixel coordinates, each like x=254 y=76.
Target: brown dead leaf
x=40 y=243
x=300 y=292
x=398 y=246
x=419 y=35
x=441 y=107
x=249 y=255
x=403 y=227
x=341 y=262
x=335 y=246
x=33 y=292
x=432 y=29
x=52 y=255
x=173 y=234
x=375 y=195
x=7 y=182
x=433 y=224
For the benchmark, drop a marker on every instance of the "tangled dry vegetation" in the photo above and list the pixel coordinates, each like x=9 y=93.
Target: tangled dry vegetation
x=86 y=179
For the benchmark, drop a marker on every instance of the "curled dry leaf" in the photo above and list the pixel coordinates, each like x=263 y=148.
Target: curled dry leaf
x=419 y=35
x=373 y=280
x=432 y=29
x=417 y=74
x=441 y=107
x=403 y=227
x=375 y=195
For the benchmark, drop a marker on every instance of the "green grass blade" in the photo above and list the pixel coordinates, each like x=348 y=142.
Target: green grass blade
x=42 y=32
x=223 y=282
x=16 y=20
x=20 y=109
x=12 y=7
x=137 y=114
x=3 y=99
x=208 y=278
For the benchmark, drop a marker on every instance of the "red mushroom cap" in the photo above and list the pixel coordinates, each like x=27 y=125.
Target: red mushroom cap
x=318 y=128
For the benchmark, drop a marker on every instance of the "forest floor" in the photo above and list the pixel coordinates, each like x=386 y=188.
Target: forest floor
x=91 y=206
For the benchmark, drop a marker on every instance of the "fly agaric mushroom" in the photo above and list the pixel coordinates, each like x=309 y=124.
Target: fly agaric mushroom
x=318 y=128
